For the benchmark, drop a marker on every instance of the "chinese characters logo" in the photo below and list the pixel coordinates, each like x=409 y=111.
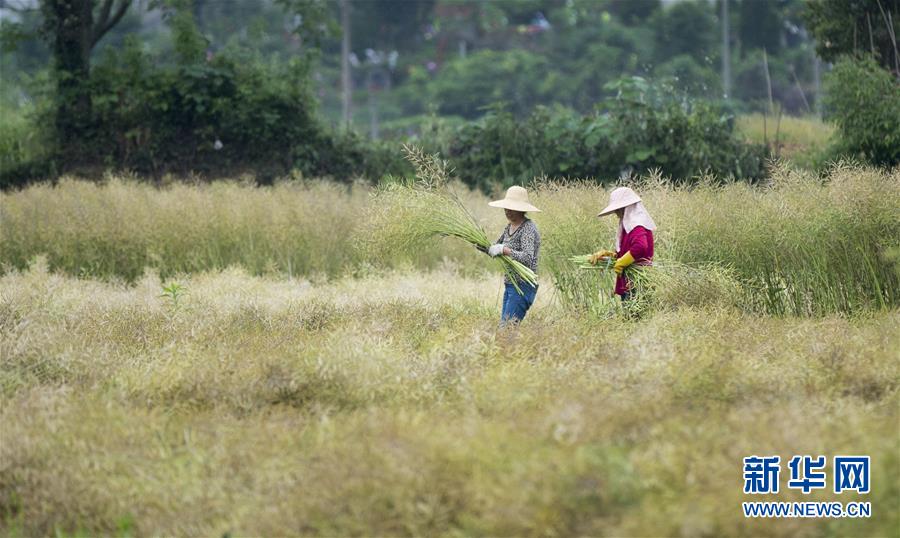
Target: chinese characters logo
x=849 y=473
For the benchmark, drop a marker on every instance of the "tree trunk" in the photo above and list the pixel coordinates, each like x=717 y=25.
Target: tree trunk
x=72 y=32
x=71 y=23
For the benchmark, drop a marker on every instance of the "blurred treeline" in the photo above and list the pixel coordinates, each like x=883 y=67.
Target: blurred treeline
x=507 y=89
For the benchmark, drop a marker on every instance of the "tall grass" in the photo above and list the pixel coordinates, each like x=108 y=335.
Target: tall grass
x=801 y=244
x=414 y=214
x=391 y=406
x=119 y=227
x=792 y=131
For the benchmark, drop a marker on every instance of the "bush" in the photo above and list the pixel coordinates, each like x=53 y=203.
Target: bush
x=642 y=128
x=215 y=116
x=690 y=76
x=23 y=146
x=220 y=116
x=19 y=149
x=864 y=101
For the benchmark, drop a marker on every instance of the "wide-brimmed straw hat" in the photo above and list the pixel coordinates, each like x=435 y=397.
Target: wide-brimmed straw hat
x=516 y=199
x=619 y=198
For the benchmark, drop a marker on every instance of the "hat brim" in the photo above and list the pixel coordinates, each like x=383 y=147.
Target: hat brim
x=612 y=207
x=514 y=205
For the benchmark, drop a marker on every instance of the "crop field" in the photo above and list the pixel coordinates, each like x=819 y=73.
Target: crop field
x=222 y=359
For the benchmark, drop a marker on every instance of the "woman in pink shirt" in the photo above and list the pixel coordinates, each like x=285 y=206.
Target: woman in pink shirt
x=634 y=240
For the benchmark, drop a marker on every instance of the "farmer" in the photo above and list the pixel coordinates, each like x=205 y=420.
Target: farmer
x=634 y=240
x=520 y=241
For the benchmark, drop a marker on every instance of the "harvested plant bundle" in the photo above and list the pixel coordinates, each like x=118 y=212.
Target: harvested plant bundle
x=427 y=208
x=641 y=281
x=583 y=262
x=664 y=284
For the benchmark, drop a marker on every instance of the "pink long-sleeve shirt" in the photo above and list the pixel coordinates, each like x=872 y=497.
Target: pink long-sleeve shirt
x=639 y=241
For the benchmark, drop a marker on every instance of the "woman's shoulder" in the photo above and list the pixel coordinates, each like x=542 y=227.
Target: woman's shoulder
x=530 y=228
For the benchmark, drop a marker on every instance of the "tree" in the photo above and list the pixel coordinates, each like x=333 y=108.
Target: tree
x=635 y=12
x=760 y=26
x=314 y=19
x=71 y=30
x=685 y=28
x=858 y=26
x=389 y=24
x=864 y=101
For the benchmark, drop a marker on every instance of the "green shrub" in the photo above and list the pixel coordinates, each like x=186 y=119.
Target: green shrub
x=22 y=144
x=864 y=101
x=643 y=127
x=214 y=117
x=689 y=75
x=20 y=149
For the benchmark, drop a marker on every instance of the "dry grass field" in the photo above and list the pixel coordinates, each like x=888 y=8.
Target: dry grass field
x=302 y=378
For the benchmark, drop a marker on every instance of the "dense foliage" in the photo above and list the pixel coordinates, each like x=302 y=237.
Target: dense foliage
x=643 y=127
x=206 y=114
x=843 y=27
x=551 y=52
x=228 y=89
x=864 y=101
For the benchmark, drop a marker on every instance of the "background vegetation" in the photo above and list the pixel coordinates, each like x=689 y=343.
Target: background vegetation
x=506 y=90
x=218 y=333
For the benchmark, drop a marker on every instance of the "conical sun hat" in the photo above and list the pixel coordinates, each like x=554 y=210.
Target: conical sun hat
x=619 y=198
x=516 y=199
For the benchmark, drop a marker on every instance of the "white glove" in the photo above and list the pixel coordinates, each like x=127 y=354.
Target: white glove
x=495 y=250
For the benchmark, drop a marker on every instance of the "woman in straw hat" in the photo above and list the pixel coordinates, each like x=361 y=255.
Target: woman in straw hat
x=520 y=241
x=634 y=239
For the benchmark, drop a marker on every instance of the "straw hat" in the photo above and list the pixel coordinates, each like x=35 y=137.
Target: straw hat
x=619 y=198
x=516 y=199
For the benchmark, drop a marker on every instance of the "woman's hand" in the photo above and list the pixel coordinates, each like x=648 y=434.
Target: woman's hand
x=497 y=250
x=623 y=262
x=600 y=256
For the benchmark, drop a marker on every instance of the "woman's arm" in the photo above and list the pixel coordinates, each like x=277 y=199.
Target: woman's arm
x=639 y=246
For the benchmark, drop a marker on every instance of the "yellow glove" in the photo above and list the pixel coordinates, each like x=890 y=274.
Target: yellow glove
x=598 y=256
x=623 y=262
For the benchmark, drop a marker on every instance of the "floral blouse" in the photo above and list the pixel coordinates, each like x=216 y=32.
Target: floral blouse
x=525 y=243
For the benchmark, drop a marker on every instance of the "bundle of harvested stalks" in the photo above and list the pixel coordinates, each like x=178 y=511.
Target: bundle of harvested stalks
x=584 y=262
x=663 y=284
x=428 y=208
x=640 y=281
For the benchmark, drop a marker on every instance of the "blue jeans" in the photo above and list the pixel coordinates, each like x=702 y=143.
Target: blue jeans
x=514 y=305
